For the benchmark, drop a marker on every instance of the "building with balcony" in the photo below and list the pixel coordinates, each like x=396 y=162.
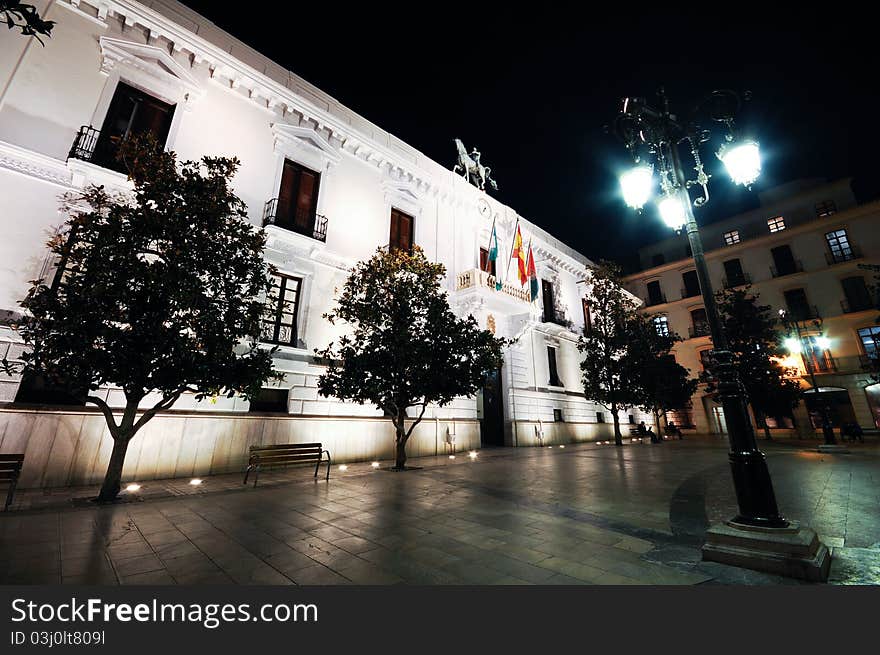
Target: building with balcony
x=328 y=186
x=808 y=249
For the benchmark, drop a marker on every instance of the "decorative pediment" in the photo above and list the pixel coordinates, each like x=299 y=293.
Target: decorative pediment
x=305 y=144
x=151 y=66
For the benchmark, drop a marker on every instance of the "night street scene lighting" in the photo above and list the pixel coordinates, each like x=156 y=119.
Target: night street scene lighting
x=759 y=536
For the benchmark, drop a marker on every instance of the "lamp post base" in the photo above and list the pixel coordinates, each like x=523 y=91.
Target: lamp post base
x=792 y=551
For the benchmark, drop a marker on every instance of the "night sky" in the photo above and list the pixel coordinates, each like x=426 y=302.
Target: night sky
x=533 y=91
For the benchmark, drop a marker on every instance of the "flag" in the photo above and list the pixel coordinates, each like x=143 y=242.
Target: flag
x=533 y=275
x=519 y=255
x=493 y=256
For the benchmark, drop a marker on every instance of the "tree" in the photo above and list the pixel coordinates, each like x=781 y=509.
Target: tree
x=663 y=384
x=161 y=293
x=407 y=349
x=26 y=18
x=756 y=345
x=609 y=376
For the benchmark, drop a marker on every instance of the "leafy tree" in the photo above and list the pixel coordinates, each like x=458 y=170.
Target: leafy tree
x=755 y=342
x=609 y=376
x=160 y=294
x=663 y=384
x=407 y=349
x=26 y=18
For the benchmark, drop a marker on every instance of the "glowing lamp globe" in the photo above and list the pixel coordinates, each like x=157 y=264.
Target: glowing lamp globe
x=672 y=212
x=823 y=342
x=792 y=345
x=637 y=184
x=742 y=159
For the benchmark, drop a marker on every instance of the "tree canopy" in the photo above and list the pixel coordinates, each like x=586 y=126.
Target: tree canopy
x=406 y=349
x=159 y=292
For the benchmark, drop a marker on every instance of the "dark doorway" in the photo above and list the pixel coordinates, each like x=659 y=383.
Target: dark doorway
x=840 y=409
x=492 y=423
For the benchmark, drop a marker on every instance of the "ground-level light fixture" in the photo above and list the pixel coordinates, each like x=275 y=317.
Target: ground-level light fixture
x=133 y=487
x=472 y=454
x=195 y=482
x=452 y=457
x=562 y=445
x=637 y=184
x=742 y=159
x=375 y=465
x=672 y=211
x=343 y=467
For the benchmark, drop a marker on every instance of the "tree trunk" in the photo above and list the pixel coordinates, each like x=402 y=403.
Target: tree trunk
x=113 y=477
x=618 y=438
x=762 y=419
x=400 y=442
x=657 y=422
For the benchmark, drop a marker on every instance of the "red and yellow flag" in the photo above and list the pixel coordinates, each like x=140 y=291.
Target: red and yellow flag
x=519 y=254
x=532 y=275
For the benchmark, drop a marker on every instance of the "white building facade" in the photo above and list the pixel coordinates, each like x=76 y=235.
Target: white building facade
x=810 y=250
x=329 y=187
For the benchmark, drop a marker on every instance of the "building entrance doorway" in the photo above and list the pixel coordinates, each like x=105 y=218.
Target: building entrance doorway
x=873 y=393
x=715 y=414
x=492 y=421
x=840 y=409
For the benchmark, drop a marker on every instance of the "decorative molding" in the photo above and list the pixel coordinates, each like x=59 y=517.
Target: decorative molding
x=33 y=164
x=305 y=143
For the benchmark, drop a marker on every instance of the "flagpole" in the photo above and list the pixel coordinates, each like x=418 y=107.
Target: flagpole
x=528 y=279
x=510 y=256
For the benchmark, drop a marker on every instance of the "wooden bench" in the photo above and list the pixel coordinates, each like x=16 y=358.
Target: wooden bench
x=10 y=470
x=285 y=455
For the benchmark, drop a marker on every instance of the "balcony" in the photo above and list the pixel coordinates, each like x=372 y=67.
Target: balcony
x=736 y=281
x=803 y=313
x=852 y=306
x=477 y=279
x=88 y=146
x=689 y=293
x=551 y=317
x=869 y=363
x=301 y=222
x=650 y=301
x=698 y=330
x=843 y=255
x=788 y=269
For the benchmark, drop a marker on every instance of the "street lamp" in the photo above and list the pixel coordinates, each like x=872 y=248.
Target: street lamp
x=796 y=345
x=759 y=536
x=656 y=133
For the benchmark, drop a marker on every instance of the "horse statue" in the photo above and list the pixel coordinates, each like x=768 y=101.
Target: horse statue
x=471 y=169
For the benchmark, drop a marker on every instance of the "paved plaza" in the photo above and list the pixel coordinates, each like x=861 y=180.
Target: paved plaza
x=585 y=514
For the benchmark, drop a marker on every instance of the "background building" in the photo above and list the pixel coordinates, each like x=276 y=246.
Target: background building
x=807 y=249
x=329 y=186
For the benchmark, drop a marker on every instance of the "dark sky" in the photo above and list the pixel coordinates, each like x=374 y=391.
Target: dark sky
x=533 y=89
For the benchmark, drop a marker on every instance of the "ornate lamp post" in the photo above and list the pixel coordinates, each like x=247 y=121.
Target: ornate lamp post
x=654 y=136
x=797 y=346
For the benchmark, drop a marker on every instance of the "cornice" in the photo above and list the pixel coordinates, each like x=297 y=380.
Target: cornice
x=33 y=164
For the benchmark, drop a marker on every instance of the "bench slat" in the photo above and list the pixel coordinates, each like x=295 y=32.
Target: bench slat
x=8 y=457
x=287 y=445
x=263 y=461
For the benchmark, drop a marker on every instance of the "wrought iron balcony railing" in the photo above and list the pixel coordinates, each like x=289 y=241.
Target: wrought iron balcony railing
x=89 y=146
x=313 y=226
x=789 y=269
x=551 y=317
x=736 y=281
x=656 y=300
x=698 y=330
x=803 y=313
x=861 y=305
x=843 y=255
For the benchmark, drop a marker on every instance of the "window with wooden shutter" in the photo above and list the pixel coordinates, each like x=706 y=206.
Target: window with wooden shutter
x=401 y=237
x=297 y=198
x=486 y=264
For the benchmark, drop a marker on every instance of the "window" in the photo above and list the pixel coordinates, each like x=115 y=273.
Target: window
x=547 y=298
x=132 y=112
x=776 y=224
x=815 y=358
x=825 y=208
x=706 y=359
x=857 y=296
x=557 y=416
x=297 y=203
x=731 y=237
x=700 y=327
x=270 y=400
x=401 y=237
x=691 y=284
x=838 y=244
x=733 y=273
x=282 y=307
x=486 y=264
x=658 y=259
x=655 y=294
x=551 y=361
x=798 y=307
x=661 y=324
x=600 y=417
x=632 y=419
x=870 y=338
x=588 y=317
x=783 y=261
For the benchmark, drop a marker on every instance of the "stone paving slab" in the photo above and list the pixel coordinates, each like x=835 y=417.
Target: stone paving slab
x=587 y=514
